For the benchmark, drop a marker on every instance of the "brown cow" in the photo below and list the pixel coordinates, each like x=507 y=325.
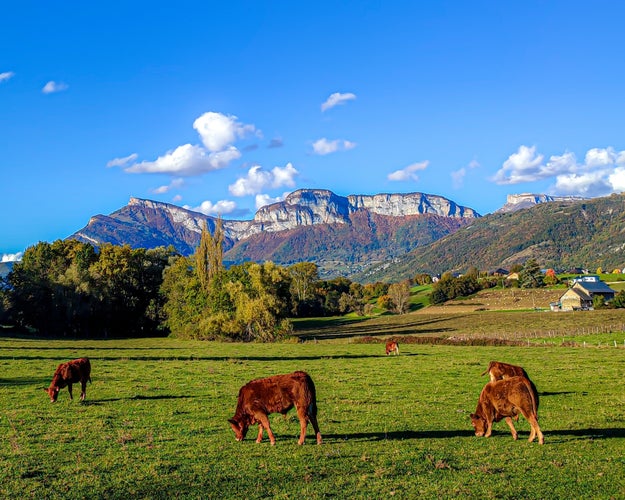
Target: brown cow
x=506 y=399
x=392 y=347
x=499 y=371
x=277 y=394
x=66 y=374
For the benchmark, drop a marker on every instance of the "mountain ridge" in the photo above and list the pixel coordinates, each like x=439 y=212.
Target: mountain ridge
x=306 y=215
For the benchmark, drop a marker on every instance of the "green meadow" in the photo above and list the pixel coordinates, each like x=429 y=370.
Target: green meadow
x=154 y=424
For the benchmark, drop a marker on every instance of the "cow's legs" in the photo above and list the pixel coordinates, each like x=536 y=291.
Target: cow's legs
x=69 y=389
x=264 y=422
x=83 y=390
x=512 y=429
x=260 y=433
x=535 y=430
x=303 y=423
x=313 y=421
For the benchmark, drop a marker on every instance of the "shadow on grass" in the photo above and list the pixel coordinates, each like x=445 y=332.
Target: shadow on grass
x=41 y=381
x=607 y=433
x=398 y=435
x=210 y=358
x=138 y=397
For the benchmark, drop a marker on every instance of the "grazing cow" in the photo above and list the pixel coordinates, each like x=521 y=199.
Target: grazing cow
x=392 y=347
x=277 y=394
x=506 y=399
x=66 y=374
x=499 y=371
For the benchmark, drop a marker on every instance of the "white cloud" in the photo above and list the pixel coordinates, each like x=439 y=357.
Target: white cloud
x=257 y=180
x=587 y=184
x=122 y=162
x=218 y=131
x=207 y=207
x=174 y=184
x=336 y=99
x=265 y=199
x=52 y=87
x=601 y=173
x=457 y=177
x=521 y=166
x=6 y=76
x=12 y=257
x=323 y=146
x=408 y=173
x=177 y=198
x=186 y=160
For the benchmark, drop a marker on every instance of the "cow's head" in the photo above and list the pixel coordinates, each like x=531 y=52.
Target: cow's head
x=53 y=392
x=479 y=424
x=240 y=427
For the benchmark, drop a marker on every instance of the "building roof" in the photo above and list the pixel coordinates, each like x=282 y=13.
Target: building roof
x=595 y=287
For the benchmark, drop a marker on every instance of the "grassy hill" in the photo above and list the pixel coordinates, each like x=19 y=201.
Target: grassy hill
x=561 y=235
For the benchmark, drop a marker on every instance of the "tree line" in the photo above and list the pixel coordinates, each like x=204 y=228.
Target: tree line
x=71 y=289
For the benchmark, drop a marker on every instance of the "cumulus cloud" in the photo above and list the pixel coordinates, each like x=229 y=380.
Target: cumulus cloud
x=207 y=207
x=174 y=184
x=6 y=76
x=217 y=131
x=52 y=87
x=336 y=99
x=602 y=172
x=408 y=173
x=122 y=162
x=265 y=199
x=186 y=160
x=323 y=146
x=177 y=198
x=257 y=180
x=12 y=257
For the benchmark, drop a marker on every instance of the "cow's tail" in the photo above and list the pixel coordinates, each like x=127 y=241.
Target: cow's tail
x=533 y=394
x=312 y=405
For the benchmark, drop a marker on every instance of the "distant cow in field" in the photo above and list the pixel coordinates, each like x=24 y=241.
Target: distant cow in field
x=506 y=399
x=66 y=374
x=392 y=347
x=277 y=394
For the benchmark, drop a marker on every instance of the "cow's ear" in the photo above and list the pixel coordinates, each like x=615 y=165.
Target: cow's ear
x=472 y=415
x=233 y=421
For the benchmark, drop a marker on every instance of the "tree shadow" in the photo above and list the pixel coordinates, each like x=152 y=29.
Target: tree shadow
x=40 y=381
x=138 y=397
x=607 y=433
x=399 y=435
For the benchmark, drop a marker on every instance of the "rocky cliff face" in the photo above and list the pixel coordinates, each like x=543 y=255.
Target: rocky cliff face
x=526 y=200
x=148 y=224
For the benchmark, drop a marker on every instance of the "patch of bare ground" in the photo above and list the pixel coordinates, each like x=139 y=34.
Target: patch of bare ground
x=508 y=299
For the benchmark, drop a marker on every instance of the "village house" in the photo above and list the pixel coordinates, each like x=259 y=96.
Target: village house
x=582 y=292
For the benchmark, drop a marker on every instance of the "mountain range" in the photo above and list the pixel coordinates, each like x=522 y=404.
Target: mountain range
x=342 y=235
x=386 y=237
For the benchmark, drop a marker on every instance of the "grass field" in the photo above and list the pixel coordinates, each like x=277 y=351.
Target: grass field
x=155 y=423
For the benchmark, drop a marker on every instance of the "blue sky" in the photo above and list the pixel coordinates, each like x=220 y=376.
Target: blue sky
x=225 y=106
